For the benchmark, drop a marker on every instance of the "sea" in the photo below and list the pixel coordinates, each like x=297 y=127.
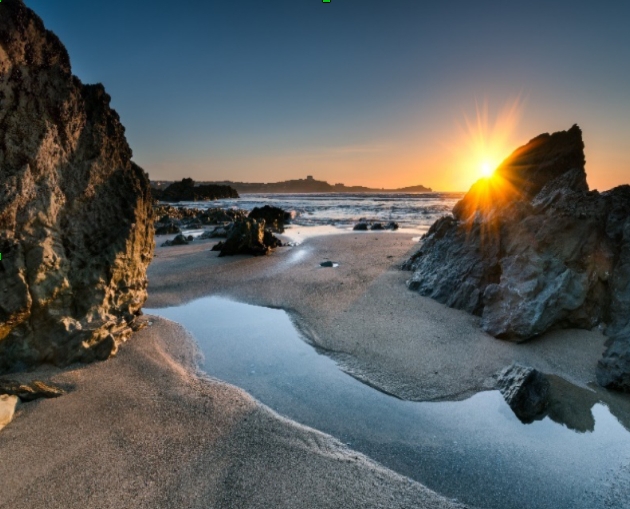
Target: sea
x=415 y=212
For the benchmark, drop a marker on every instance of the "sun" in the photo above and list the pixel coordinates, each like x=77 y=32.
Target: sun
x=486 y=169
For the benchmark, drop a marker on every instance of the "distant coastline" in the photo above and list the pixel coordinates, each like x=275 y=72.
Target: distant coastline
x=307 y=185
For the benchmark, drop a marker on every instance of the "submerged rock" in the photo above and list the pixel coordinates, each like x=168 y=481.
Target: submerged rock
x=274 y=217
x=532 y=249
x=30 y=391
x=76 y=225
x=526 y=390
x=248 y=237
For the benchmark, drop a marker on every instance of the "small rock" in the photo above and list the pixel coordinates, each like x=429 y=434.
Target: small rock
x=29 y=391
x=361 y=227
x=376 y=226
x=180 y=240
x=329 y=264
x=526 y=390
x=7 y=409
x=392 y=226
x=167 y=229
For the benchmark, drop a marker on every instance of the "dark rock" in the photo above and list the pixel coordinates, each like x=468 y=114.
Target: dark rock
x=361 y=227
x=248 y=237
x=179 y=240
x=377 y=226
x=392 y=226
x=613 y=369
x=526 y=390
x=30 y=391
x=76 y=225
x=186 y=190
x=167 y=229
x=531 y=249
x=190 y=238
x=274 y=217
x=329 y=264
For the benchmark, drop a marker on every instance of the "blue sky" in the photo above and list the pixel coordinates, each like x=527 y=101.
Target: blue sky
x=355 y=91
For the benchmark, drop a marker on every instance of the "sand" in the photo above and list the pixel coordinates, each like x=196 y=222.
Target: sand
x=146 y=430
x=143 y=430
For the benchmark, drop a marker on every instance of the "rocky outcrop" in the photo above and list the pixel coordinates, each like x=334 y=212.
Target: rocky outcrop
x=526 y=390
x=613 y=369
x=248 y=237
x=76 y=232
x=274 y=217
x=186 y=190
x=531 y=248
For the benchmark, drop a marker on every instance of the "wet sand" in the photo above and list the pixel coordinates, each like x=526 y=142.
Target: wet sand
x=144 y=430
x=363 y=314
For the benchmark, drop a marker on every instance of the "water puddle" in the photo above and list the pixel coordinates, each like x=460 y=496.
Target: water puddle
x=476 y=450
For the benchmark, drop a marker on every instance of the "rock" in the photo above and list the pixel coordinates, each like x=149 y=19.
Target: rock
x=179 y=240
x=76 y=225
x=526 y=390
x=361 y=227
x=7 y=409
x=613 y=369
x=376 y=226
x=167 y=229
x=274 y=217
x=30 y=391
x=532 y=249
x=248 y=237
x=186 y=190
x=392 y=226
x=329 y=264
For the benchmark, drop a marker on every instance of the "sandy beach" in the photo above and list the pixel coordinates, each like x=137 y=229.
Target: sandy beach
x=146 y=429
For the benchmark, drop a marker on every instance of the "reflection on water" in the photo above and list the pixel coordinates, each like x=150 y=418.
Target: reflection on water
x=474 y=450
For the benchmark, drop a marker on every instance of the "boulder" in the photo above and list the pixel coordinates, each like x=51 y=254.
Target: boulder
x=377 y=226
x=526 y=390
x=531 y=249
x=248 y=237
x=179 y=240
x=361 y=226
x=274 y=217
x=76 y=224
x=392 y=225
x=30 y=391
x=613 y=369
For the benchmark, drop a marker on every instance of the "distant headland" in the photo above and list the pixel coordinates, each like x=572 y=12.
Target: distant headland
x=307 y=185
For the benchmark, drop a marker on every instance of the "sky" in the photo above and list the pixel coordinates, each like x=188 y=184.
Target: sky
x=387 y=93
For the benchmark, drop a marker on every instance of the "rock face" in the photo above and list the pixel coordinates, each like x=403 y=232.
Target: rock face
x=248 y=237
x=76 y=232
x=531 y=248
x=186 y=190
x=526 y=390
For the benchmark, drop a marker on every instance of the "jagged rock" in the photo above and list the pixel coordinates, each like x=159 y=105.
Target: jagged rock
x=167 y=229
x=274 y=217
x=7 y=409
x=248 y=237
x=179 y=240
x=30 y=391
x=613 y=369
x=186 y=190
x=76 y=226
x=526 y=390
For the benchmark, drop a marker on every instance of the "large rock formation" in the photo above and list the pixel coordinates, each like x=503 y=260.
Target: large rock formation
x=76 y=230
x=248 y=236
x=187 y=190
x=532 y=249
